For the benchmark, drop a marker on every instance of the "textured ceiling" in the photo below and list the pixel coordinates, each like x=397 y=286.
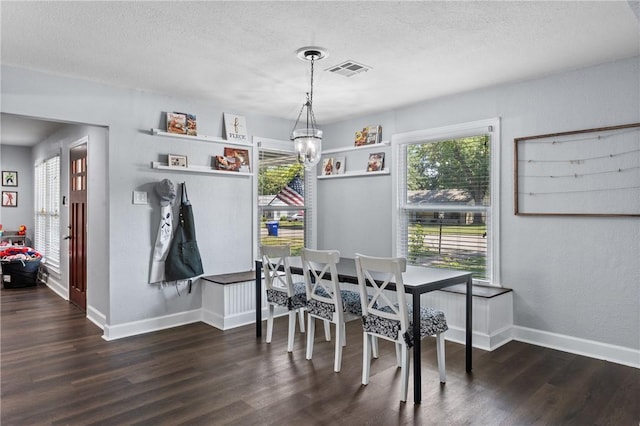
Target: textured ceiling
x=242 y=54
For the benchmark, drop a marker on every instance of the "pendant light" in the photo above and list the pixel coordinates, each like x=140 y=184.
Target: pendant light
x=307 y=141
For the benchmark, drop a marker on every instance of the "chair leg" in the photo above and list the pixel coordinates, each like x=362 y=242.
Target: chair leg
x=339 y=339
x=440 y=353
x=344 y=334
x=327 y=330
x=301 y=314
x=399 y=354
x=404 y=354
x=311 y=330
x=374 y=346
x=292 y=330
x=366 y=357
x=270 y=323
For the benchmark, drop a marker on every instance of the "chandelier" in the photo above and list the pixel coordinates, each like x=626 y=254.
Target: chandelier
x=307 y=141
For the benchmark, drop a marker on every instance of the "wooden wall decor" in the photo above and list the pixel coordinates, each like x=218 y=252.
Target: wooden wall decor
x=592 y=172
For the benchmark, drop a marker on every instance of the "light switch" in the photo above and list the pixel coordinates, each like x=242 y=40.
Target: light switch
x=139 y=197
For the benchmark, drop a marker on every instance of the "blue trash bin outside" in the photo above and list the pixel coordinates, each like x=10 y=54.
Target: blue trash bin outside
x=272 y=228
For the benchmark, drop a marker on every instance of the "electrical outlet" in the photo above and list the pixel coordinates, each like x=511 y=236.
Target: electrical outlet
x=139 y=197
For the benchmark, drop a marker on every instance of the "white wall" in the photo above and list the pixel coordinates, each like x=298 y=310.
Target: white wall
x=576 y=277
x=222 y=205
x=18 y=159
x=572 y=276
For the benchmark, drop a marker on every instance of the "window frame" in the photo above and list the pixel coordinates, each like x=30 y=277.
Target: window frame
x=47 y=197
x=399 y=182
x=310 y=191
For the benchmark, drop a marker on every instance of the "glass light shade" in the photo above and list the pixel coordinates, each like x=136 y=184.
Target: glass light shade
x=308 y=146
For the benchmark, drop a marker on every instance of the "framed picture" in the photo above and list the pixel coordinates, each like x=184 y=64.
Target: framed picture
x=376 y=162
x=339 y=165
x=9 y=199
x=241 y=158
x=368 y=136
x=9 y=178
x=177 y=160
x=177 y=123
x=229 y=164
x=235 y=127
x=327 y=166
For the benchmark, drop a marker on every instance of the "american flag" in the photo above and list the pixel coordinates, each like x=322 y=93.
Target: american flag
x=293 y=192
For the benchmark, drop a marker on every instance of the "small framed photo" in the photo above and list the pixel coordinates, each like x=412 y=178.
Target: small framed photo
x=9 y=178
x=9 y=199
x=177 y=160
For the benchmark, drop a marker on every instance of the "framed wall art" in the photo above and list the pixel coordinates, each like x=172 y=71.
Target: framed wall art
x=9 y=199
x=593 y=172
x=177 y=160
x=9 y=178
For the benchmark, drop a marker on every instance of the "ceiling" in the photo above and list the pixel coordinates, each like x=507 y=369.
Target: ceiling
x=242 y=54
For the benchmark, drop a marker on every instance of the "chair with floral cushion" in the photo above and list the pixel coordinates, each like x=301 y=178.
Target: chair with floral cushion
x=281 y=290
x=325 y=299
x=387 y=315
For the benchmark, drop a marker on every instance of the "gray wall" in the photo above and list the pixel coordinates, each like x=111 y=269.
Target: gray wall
x=222 y=205
x=18 y=158
x=573 y=276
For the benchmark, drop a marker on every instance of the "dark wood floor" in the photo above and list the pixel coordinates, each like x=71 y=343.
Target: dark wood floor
x=56 y=369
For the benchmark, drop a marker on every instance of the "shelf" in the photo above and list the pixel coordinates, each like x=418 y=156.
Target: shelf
x=196 y=169
x=158 y=132
x=356 y=174
x=355 y=148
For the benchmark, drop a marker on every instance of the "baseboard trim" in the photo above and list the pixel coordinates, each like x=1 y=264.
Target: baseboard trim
x=238 y=320
x=592 y=349
x=480 y=340
x=58 y=289
x=149 y=325
x=96 y=317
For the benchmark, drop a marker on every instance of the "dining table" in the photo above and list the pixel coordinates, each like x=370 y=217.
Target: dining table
x=417 y=280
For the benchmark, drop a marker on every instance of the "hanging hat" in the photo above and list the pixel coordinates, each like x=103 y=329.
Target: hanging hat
x=166 y=191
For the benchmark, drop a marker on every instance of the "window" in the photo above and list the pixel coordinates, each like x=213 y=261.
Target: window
x=283 y=197
x=447 y=198
x=47 y=211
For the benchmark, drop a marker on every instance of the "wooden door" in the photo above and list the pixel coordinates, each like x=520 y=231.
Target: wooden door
x=78 y=226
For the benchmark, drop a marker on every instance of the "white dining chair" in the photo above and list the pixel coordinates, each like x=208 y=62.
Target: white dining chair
x=387 y=315
x=325 y=300
x=281 y=290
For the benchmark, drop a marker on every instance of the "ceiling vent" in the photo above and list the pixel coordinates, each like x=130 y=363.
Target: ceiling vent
x=348 y=68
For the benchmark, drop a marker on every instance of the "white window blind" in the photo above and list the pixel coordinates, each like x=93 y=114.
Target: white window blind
x=446 y=199
x=47 y=211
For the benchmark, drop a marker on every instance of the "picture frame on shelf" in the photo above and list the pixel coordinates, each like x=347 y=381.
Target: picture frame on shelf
x=177 y=123
x=235 y=127
x=376 y=162
x=339 y=165
x=224 y=163
x=192 y=125
x=327 y=166
x=369 y=135
x=241 y=156
x=177 y=160
x=9 y=178
x=9 y=199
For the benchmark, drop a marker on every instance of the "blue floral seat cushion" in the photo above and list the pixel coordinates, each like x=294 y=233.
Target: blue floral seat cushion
x=350 y=303
x=432 y=322
x=280 y=297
